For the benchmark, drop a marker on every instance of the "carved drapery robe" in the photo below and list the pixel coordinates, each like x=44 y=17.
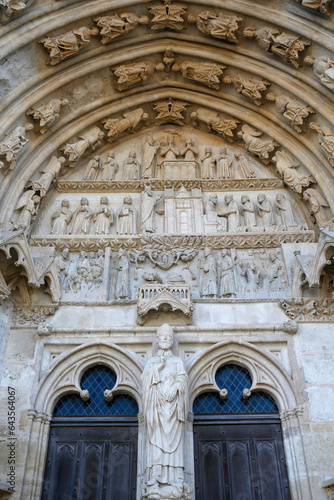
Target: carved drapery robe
x=164 y=419
x=81 y=221
x=60 y=221
x=227 y=281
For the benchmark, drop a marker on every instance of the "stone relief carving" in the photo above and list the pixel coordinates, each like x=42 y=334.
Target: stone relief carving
x=131 y=167
x=170 y=111
x=81 y=219
x=47 y=114
x=127 y=217
x=244 y=170
x=11 y=8
x=323 y=6
x=209 y=288
x=109 y=167
x=208 y=164
x=28 y=205
x=286 y=167
x=32 y=315
x=129 y=75
x=217 y=25
x=12 y=144
x=224 y=165
x=293 y=110
x=93 y=169
x=148 y=205
x=323 y=68
x=309 y=309
x=249 y=87
x=82 y=273
x=122 y=288
x=49 y=175
x=285 y=212
x=67 y=44
x=317 y=206
x=168 y=15
x=165 y=394
x=203 y=72
x=118 y=25
x=227 y=284
x=326 y=140
x=150 y=149
x=287 y=46
x=61 y=219
x=89 y=140
x=130 y=122
x=258 y=147
x=103 y=217
x=214 y=123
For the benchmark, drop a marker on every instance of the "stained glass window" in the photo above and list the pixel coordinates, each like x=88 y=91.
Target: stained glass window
x=96 y=380
x=235 y=379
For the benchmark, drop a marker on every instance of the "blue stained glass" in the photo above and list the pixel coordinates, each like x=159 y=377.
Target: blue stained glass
x=235 y=379
x=96 y=380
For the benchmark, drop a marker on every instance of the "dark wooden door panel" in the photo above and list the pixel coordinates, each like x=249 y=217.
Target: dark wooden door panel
x=239 y=461
x=95 y=461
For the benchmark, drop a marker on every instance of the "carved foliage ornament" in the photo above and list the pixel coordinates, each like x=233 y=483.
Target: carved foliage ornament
x=168 y=15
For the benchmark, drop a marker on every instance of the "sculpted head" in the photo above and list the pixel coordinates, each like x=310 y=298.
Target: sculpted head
x=132 y=154
x=244 y=198
x=208 y=150
x=165 y=336
x=261 y=197
x=84 y=202
x=65 y=203
x=228 y=198
x=280 y=197
x=127 y=200
x=104 y=200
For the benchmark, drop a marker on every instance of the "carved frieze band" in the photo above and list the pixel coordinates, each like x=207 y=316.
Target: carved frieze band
x=160 y=184
x=309 y=310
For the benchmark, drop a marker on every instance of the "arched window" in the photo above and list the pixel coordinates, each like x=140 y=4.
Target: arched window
x=93 y=442
x=238 y=442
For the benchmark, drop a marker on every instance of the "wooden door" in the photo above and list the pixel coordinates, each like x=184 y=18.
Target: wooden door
x=239 y=458
x=91 y=459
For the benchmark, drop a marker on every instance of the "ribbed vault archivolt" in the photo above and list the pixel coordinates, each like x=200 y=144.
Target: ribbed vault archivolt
x=43 y=82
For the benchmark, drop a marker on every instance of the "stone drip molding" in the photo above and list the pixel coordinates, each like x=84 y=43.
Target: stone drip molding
x=64 y=186
x=164 y=242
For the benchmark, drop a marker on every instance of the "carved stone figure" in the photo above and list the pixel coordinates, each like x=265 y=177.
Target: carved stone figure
x=13 y=143
x=49 y=174
x=10 y=8
x=252 y=277
x=61 y=219
x=127 y=218
x=249 y=87
x=131 y=167
x=286 y=167
x=292 y=109
x=317 y=206
x=326 y=140
x=81 y=218
x=47 y=114
x=123 y=276
x=232 y=214
x=165 y=393
x=224 y=165
x=217 y=25
x=169 y=151
x=92 y=170
x=90 y=139
x=148 y=203
x=209 y=281
x=170 y=111
x=227 y=286
x=212 y=217
x=323 y=68
x=103 y=217
x=278 y=278
x=149 y=152
x=129 y=75
x=168 y=15
x=214 y=123
x=248 y=211
x=265 y=211
x=245 y=171
x=29 y=204
x=204 y=72
x=109 y=167
x=208 y=164
x=63 y=264
x=118 y=25
x=322 y=6
x=131 y=122
x=284 y=210
x=190 y=151
x=282 y=44
x=254 y=145
x=68 y=44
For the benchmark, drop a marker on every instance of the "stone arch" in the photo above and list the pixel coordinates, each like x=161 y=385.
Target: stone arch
x=64 y=376
x=267 y=374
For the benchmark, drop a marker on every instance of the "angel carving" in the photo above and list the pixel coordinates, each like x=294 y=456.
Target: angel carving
x=29 y=204
x=215 y=123
x=258 y=147
x=118 y=25
x=129 y=122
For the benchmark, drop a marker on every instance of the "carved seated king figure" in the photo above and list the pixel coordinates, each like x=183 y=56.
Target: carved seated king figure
x=164 y=390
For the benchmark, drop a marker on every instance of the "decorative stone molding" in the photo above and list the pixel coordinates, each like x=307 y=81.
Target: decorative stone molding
x=33 y=316
x=290 y=414
x=290 y=327
x=309 y=310
x=65 y=186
